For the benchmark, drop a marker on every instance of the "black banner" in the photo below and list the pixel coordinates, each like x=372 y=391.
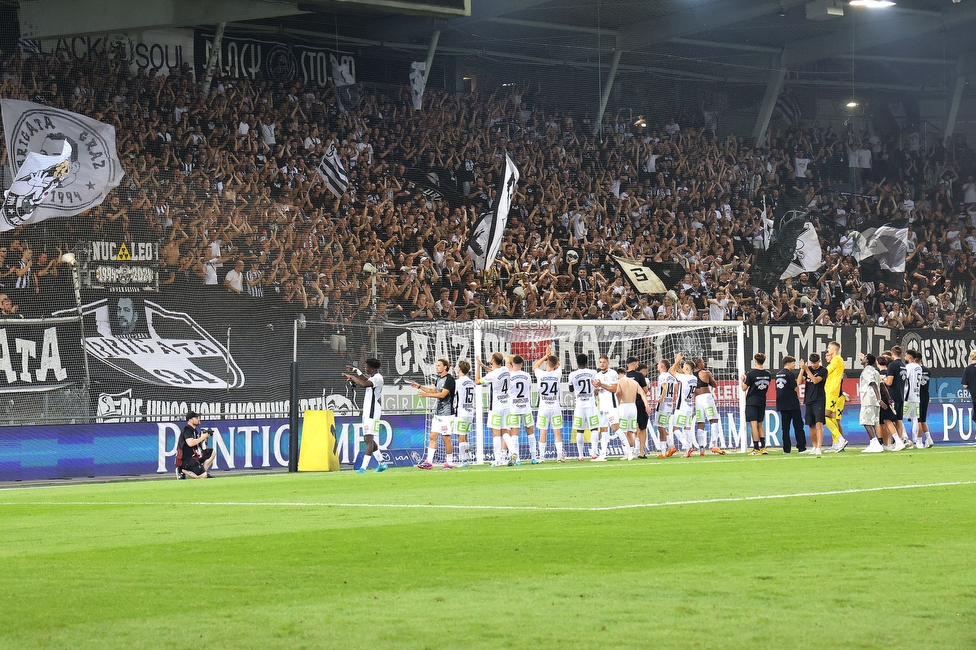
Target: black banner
x=275 y=58
x=946 y=353
x=151 y=355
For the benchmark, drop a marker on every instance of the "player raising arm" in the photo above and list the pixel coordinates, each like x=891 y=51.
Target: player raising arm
x=550 y=413
x=585 y=415
x=605 y=384
x=497 y=380
x=684 y=412
x=520 y=408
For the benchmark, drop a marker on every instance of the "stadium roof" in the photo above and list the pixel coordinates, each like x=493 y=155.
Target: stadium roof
x=916 y=44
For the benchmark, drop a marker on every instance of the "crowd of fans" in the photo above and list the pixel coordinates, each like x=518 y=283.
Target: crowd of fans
x=227 y=184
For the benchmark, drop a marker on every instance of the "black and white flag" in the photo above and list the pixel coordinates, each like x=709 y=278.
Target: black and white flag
x=345 y=82
x=39 y=176
x=35 y=134
x=331 y=170
x=793 y=248
x=417 y=84
x=807 y=255
x=881 y=252
x=486 y=236
x=640 y=275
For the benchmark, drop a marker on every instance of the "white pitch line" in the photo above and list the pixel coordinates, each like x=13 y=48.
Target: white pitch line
x=432 y=506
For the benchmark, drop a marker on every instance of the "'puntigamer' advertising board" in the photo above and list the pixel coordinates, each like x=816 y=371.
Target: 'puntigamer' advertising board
x=68 y=451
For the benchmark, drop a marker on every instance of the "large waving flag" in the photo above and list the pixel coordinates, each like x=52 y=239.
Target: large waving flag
x=640 y=275
x=38 y=177
x=807 y=254
x=332 y=172
x=486 y=236
x=881 y=252
x=42 y=189
x=793 y=248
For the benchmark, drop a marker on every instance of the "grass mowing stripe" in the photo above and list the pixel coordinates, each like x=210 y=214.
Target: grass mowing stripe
x=431 y=506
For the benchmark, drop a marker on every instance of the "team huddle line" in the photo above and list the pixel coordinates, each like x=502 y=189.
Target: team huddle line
x=616 y=404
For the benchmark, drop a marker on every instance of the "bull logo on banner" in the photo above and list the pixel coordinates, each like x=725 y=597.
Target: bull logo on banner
x=154 y=345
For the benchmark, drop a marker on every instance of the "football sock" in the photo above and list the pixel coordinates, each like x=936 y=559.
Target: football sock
x=542 y=444
x=762 y=442
x=594 y=442
x=755 y=445
x=702 y=437
x=365 y=463
x=832 y=426
x=580 y=445
x=718 y=435
x=559 y=446
x=464 y=451
x=430 y=454
x=533 y=448
x=496 y=446
x=449 y=459
x=507 y=439
x=378 y=455
x=605 y=442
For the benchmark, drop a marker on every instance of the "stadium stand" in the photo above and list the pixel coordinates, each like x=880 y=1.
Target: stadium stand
x=231 y=177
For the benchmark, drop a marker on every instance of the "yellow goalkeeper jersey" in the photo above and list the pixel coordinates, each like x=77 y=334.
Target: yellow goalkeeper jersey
x=835 y=377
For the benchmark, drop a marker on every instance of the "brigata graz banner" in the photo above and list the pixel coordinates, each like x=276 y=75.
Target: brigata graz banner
x=40 y=355
x=146 y=448
x=276 y=58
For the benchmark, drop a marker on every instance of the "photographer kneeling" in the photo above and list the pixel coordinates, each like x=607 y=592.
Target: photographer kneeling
x=193 y=459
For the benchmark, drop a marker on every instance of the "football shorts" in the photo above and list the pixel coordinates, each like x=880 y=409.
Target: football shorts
x=627 y=414
x=371 y=426
x=515 y=420
x=705 y=409
x=911 y=410
x=442 y=425
x=463 y=423
x=586 y=417
x=497 y=418
x=836 y=404
x=684 y=419
x=549 y=415
x=610 y=418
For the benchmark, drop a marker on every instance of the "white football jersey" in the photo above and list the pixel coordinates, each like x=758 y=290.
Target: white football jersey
x=667 y=388
x=520 y=390
x=608 y=400
x=497 y=382
x=464 y=394
x=548 y=383
x=687 y=385
x=373 y=400
x=913 y=383
x=581 y=383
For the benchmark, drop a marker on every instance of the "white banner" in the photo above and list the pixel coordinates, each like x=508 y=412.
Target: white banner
x=94 y=163
x=417 y=84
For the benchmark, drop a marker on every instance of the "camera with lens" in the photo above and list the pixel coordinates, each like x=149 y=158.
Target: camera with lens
x=209 y=432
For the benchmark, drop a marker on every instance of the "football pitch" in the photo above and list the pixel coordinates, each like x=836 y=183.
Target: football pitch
x=844 y=551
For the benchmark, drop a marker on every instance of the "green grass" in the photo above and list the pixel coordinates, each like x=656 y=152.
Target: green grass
x=194 y=564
